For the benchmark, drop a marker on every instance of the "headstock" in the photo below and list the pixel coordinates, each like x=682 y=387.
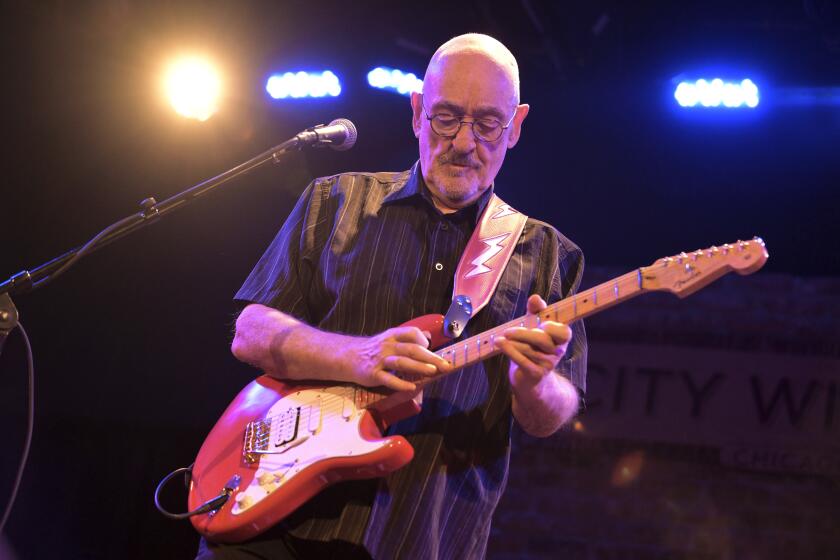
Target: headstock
x=686 y=273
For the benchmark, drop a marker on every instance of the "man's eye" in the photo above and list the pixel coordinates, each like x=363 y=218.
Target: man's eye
x=446 y=120
x=487 y=125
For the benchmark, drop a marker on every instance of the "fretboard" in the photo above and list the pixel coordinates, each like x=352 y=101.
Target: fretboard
x=482 y=346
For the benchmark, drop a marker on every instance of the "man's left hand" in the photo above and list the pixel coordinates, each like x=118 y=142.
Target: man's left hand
x=534 y=352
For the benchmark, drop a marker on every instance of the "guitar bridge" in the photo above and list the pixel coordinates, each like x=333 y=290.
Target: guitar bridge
x=255 y=433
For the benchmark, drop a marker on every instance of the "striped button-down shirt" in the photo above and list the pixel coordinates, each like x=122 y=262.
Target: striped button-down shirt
x=364 y=252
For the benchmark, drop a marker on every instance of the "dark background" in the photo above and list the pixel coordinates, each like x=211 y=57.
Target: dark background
x=131 y=346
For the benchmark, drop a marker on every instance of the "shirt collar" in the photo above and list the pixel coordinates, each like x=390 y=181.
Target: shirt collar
x=414 y=185
x=407 y=188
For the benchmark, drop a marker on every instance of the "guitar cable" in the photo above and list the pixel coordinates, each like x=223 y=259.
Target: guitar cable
x=208 y=506
x=30 y=427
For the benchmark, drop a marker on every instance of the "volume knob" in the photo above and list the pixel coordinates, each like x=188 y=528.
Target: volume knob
x=264 y=477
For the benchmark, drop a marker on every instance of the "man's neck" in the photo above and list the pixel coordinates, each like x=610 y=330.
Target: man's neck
x=442 y=206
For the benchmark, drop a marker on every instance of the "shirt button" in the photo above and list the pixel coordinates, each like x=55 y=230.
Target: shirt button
x=438 y=267
x=444 y=226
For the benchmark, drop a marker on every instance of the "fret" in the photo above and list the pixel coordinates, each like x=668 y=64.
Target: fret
x=615 y=289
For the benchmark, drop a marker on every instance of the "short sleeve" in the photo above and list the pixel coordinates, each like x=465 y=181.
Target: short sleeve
x=282 y=276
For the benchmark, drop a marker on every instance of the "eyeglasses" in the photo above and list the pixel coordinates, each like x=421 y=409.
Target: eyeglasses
x=448 y=126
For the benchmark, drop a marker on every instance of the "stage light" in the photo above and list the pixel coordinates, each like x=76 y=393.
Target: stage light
x=717 y=93
x=303 y=84
x=394 y=80
x=193 y=88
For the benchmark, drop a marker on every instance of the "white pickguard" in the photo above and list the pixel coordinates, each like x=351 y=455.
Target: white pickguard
x=329 y=428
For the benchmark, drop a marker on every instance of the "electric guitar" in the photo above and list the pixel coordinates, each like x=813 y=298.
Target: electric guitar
x=280 y=443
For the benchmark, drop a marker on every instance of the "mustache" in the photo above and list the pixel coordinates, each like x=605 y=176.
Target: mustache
x=458 y=159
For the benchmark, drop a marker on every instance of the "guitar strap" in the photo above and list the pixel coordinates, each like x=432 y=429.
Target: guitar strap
x=483 y=262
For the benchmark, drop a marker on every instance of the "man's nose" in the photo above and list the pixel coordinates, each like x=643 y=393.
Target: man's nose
x=464 y=140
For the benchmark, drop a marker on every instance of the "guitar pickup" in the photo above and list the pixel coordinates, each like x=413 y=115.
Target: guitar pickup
x=273 y=435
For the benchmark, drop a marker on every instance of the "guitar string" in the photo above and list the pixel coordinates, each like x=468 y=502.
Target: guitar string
x=554 y=311
x=565 y=309
x=484 y=339
x=558 y=311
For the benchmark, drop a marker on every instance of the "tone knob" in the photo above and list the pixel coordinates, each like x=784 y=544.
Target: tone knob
x=243 y=500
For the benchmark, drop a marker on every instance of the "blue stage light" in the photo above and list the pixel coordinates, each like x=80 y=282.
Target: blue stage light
x=717 y=93
x=394 y=80
x=303 y=84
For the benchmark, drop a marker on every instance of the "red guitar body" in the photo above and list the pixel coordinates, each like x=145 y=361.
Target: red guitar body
x=278 y=444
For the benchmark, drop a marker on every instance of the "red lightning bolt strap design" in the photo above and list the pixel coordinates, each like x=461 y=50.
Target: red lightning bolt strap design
x=488 y=252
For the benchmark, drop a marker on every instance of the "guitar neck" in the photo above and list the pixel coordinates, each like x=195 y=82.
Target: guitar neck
x=603 y=296
x=681 y=275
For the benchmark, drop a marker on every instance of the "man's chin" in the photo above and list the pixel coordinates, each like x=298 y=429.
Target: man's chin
x=456 y=191
x=457 y=194
x=459 y=182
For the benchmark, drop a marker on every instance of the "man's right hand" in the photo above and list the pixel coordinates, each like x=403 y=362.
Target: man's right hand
x=392 y=359
x=286 y=348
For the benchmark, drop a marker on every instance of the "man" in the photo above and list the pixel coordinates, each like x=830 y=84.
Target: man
x=363 y=252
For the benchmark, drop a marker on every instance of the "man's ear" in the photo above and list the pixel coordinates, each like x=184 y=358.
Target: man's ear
x=416 y=112
x=516 y=125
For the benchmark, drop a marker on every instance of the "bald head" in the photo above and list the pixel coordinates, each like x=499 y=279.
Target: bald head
x=472 y=81
x=482 y=49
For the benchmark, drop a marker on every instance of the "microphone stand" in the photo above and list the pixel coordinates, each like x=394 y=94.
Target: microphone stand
x=25 y=280
x=340 y=134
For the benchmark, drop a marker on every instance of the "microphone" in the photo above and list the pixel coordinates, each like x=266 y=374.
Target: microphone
x=338 y=135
